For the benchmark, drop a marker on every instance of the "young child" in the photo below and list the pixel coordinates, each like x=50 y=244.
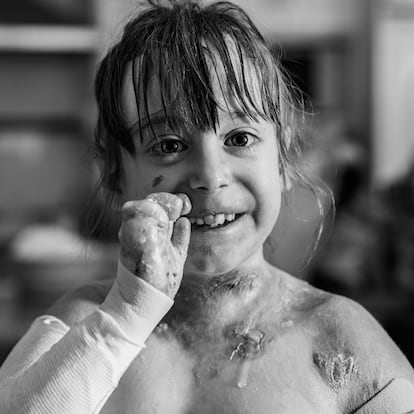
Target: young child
x=195 y=134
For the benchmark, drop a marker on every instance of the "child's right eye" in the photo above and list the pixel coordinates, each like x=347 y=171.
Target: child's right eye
x=167 y=146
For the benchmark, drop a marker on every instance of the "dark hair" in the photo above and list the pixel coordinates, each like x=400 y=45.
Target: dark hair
x=174 y=41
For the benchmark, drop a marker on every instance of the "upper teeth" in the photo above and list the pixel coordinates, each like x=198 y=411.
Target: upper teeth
x=212 y=220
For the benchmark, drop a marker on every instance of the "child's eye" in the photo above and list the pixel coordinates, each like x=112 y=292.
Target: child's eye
x=167 y=146
x=240 y=139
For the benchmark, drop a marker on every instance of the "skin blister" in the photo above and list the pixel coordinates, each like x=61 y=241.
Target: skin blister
x=337 y=370
x=149 y=247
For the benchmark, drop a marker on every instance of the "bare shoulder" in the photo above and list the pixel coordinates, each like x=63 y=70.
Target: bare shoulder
x=79 y=303
x=354 y=353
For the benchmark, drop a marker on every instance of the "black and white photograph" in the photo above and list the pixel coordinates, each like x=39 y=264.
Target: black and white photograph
x=206 y=206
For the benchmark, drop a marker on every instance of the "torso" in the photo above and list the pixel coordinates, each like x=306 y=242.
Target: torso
x=165 y=378
x=316 y=356
x=200 y=369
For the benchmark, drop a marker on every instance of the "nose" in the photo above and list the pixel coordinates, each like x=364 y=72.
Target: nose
x=210 y=168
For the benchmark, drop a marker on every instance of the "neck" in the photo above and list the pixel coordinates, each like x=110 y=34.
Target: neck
x=222 y=298
x=236 y=283
x=231 y=305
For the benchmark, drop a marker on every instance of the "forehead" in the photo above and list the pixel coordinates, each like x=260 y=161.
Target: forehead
x=133 y=94
x=135 y=105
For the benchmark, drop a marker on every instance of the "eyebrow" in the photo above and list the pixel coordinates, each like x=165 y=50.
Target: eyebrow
x=238 y=114
x=149 y=121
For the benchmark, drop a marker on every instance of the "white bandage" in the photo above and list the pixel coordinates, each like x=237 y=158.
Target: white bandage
x=57 y=369
x=135 y=305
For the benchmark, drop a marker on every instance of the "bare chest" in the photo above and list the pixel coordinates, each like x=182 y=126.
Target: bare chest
x=166 y=378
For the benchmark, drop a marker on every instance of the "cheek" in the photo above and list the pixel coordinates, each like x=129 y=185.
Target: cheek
x=271 y=189
x=137 y=183
x=140 y=183
x=273 y=198
x=139 y=179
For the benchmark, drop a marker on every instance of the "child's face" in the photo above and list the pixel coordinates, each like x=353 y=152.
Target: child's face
x=233 y=170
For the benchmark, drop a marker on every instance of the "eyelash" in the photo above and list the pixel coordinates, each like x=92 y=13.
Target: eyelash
x=156 y=149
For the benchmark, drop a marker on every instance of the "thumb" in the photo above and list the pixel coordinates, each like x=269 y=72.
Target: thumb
x=181 y=235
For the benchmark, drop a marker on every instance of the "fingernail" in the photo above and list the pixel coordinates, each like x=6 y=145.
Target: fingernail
x=186 y=203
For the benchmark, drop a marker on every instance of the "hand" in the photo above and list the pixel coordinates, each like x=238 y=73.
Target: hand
x=154 y=239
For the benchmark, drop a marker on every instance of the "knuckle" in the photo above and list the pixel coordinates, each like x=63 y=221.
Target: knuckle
x=142 y=231
x=129 y=209
x=143 y=209
x=170 y=203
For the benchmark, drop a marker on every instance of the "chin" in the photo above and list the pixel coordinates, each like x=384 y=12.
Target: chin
x=217 y=258
x=209 y=262
x=209 y=266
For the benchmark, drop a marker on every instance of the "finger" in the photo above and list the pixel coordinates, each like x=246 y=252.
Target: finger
x=141 y=234
x=181 y=235
x=145 y=208
x=171 y=203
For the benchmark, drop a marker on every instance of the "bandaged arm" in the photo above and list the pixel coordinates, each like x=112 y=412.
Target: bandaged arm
x=56 y=368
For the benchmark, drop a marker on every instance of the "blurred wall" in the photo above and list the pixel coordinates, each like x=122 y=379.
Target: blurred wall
x=392 y=91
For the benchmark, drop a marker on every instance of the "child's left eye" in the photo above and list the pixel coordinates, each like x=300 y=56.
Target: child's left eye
x=240 y=139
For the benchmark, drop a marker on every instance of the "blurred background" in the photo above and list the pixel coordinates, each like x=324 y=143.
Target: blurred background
x=354 y=62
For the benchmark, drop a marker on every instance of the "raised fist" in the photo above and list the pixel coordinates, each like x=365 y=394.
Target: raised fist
x=154 y=239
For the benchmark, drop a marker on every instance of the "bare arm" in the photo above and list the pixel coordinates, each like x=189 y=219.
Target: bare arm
x=379 y=368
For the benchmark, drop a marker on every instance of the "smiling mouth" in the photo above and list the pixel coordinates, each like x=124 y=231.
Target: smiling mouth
x=214 y=222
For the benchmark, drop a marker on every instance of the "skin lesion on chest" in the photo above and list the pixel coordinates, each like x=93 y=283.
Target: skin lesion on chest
x=337 y=369
x=255 y=371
